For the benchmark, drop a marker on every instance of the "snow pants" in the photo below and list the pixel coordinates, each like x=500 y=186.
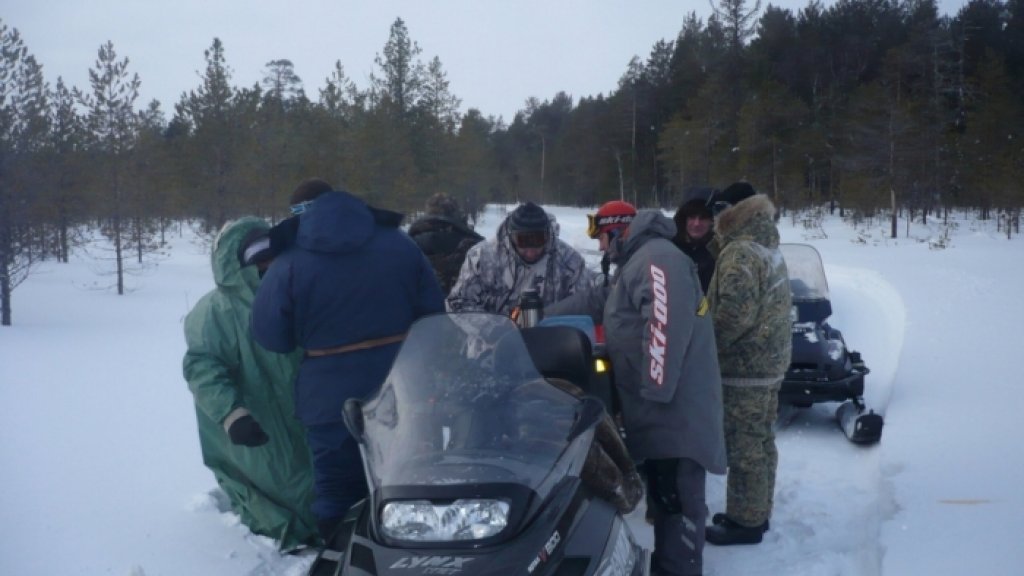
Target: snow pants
x=338 y=476
x=679 y=511
x=750 y=449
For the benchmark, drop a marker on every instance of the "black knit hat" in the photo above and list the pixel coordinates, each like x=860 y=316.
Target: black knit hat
x=528 y=217
x=255 y=248
x=734 y=193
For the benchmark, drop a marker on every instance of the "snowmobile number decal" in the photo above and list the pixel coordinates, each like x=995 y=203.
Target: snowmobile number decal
x=656 y=349
x=544 y=554
x=433 y=564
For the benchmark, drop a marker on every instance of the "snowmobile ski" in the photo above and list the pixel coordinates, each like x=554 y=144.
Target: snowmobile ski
x=859 y=427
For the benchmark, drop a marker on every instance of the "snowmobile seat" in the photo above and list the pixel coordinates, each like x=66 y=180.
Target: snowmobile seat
x=561 y=352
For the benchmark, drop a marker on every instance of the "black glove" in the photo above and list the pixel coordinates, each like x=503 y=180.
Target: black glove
x=246 y=431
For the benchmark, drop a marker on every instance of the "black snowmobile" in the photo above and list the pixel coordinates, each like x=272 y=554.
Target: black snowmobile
x=474 y=460
x=823 y=368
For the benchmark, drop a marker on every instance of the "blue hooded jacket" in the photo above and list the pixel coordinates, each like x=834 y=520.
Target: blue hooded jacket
x=347 y=279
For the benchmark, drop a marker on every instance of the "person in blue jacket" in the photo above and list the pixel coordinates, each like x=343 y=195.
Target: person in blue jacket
x=346 y=292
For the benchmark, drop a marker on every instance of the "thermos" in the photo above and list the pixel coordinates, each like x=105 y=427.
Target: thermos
x=531 y=309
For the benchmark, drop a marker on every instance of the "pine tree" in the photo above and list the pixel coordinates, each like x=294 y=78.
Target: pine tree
x=23 y=127
x=112 y=127
x=340 y=97
x=213 y=161
x=401 y=74
x=437 y=99
x=67 y=168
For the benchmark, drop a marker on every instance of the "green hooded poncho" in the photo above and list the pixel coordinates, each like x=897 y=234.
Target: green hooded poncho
x=270 y=486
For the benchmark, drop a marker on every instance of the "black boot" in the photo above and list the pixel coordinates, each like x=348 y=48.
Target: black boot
x=721 y=518
x=725 y=532
x=327 y=527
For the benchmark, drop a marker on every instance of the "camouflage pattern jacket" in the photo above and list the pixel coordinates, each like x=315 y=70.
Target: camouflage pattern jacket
x=749 y=295
x=493 y=275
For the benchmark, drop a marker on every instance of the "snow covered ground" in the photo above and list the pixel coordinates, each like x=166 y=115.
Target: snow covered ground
x=100 y=470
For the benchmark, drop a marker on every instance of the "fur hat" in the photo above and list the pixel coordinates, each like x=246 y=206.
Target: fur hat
x=441 y=204
x=528 y=217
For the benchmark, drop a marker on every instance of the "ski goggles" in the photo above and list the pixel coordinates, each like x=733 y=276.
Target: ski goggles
x=597 y=225
x=301 y=207
x=530 y=239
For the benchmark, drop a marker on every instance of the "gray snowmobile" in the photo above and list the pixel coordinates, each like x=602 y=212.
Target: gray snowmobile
x=823 y=368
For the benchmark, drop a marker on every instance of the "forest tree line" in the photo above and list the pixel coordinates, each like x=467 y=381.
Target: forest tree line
x=868 y=106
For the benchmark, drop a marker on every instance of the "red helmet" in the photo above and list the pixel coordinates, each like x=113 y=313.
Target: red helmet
x=614 y=215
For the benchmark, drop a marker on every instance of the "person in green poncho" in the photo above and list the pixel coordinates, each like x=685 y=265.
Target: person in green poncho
x=248 y=433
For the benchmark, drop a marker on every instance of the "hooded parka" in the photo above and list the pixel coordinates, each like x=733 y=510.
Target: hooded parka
x=348 y=279
x=270 y=486
x=661 y=344
x=346 y=292
x=750 y=296
x=750 y=302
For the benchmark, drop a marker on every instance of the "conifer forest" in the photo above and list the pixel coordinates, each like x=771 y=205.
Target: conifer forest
x=869 y=108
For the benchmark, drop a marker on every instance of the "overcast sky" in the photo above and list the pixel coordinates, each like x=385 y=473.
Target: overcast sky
x=497 y=53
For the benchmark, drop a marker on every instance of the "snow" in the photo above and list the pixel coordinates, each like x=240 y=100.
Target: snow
x=101 y=470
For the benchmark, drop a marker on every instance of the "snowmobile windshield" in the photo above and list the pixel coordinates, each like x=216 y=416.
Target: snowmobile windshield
x=465 y=405
x=806 y=273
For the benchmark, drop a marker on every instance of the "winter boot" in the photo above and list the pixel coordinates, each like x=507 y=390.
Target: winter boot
x=327 y=527
x=728 y=532
x=721 y=518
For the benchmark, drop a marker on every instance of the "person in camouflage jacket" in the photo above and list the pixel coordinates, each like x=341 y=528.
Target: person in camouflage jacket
x=750 y=304
x=497 y=271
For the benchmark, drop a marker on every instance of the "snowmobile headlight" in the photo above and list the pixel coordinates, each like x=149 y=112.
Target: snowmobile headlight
x=621 y=557
x=425 y=521
x=600 y=365
x=836 y=349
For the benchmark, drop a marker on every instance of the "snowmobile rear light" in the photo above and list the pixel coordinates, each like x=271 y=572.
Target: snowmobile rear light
x=426 y=521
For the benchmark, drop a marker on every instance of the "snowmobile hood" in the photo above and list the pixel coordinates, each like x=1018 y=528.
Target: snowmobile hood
x=336 y=222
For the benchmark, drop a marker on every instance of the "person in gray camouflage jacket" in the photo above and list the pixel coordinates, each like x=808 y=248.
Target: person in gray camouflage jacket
x=525 y=254
x=750 y=303
x=661 y=343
